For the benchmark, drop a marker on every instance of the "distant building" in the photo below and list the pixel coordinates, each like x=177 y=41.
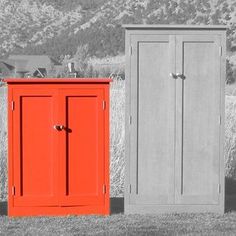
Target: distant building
x=29 y=66
x=6 y=69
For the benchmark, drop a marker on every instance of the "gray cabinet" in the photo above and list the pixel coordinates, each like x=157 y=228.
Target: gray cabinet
x=174 y=118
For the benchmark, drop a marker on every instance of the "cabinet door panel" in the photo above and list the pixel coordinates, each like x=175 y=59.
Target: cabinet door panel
x=198 y=105
x=84 y=154
x=35 y=163
x=153 y=112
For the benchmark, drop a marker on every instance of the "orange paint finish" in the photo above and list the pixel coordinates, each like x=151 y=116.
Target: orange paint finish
x=58 y=170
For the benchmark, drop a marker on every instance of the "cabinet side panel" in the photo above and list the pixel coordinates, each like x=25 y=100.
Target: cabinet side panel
x=222 y=131
x=10 y=149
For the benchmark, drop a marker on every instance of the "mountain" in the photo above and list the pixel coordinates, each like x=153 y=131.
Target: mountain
x=58 y=27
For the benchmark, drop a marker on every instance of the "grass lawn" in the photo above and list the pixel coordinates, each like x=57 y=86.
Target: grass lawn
x=120 y=224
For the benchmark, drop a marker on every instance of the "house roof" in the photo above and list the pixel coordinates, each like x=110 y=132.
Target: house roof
x=6 y=65
x=18 y=65
x=30 y=63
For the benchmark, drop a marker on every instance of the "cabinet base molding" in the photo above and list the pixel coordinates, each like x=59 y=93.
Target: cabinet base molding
x=58 y=210
x=162 y=209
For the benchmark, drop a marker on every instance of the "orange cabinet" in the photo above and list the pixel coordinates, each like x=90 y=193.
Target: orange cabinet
x=58 y=146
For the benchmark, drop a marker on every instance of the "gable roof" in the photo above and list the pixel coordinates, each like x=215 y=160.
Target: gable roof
x=6 y=65
x=19 y=65
x=30 y=63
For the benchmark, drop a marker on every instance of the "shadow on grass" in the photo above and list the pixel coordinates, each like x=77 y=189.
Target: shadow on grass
x=116 y=205
x=230 y=194
x=3 y=208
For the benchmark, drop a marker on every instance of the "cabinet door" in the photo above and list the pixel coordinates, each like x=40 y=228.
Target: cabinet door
x=35 y=163
x=152 y=132
x=198 y=113
x=82 y=147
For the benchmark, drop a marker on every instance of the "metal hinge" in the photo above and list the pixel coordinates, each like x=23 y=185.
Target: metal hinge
x=103 y=105
x=13 y=190
x=130 y=51
x=104 y=189
x=219 y=188
x=220 y=51
x=220 y=120
x=130 y=188
x=12 y=105
x=130 y=120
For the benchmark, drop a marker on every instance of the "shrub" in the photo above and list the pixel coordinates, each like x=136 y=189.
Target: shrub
x=230 y=136
x=117 y=136
x=3 y=143
x=230 y=75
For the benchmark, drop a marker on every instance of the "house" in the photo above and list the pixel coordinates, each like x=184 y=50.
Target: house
x=29 y=66
x=5 y=69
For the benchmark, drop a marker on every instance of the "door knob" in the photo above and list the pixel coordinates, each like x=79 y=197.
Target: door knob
x=174 y=76
x=181 y=76
x=58 y=127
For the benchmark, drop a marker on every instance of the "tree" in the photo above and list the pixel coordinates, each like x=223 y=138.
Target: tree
x=52 y=72
x=65 y=70
x=230 y=75
x=81 y=59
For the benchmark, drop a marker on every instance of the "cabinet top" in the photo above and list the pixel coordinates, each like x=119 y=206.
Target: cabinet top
x=189 y=27
x=56 y=80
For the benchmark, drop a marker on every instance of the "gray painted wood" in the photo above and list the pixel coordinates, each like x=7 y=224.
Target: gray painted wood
x=155 y=99
x=163 y=26
x=199 y=112
x=174 y=145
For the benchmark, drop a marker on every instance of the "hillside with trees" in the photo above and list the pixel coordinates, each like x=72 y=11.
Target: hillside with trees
x=58 y=27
